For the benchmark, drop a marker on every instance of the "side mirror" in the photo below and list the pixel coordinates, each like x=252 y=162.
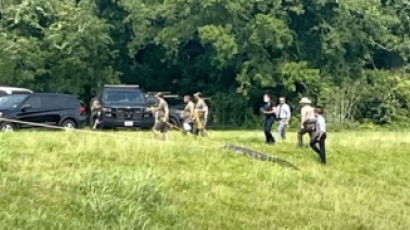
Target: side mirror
x=26 y=107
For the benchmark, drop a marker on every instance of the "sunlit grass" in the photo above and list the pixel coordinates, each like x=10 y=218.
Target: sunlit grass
x=126 y=180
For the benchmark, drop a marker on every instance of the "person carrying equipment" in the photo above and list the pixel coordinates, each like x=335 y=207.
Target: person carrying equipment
x=161 y=118
x=97 y=115
x=283 y=116
x=188 y=115
x=269 y=110
x=318 y=139
x=200 y=115
x=308 y=121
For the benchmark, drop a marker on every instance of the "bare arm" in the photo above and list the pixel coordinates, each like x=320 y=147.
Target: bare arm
x=289 y=115
x=191 y=111
x=206 y=112
x=166 y=113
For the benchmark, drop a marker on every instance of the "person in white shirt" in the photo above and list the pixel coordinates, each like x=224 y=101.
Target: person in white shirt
x=283 y=116
x=318 y=139
x=308 y=122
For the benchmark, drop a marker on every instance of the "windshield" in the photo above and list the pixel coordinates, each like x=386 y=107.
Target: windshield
x=123 y=97
x=12 y=101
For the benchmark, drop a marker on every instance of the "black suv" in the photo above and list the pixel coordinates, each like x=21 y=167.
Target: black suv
x=125 y=106
x=50 y=108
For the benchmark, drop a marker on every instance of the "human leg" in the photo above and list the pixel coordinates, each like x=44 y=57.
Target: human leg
x=281 y=133
x=323 y=148
x=268 y=133
x=301 y=132
x=314 y=144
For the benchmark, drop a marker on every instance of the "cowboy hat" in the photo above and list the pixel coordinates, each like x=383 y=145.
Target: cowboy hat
x=305 y=100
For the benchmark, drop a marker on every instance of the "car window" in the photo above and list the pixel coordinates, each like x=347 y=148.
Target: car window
x=34 y=102
x=20 y=92
x=51 y=101
x=11 y=101
x=123 y=97
x=70 y=102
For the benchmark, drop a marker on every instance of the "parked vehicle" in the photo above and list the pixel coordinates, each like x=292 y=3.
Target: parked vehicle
x=125 y=106
x=4 y=91
x=49 y=108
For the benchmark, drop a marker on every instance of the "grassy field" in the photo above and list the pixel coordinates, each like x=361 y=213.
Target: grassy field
x=67 y=180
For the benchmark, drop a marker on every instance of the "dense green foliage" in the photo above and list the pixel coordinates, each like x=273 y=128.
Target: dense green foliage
x=351 y=56
x=56 y=180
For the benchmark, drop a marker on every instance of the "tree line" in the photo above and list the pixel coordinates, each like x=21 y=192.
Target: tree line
x=350 y=56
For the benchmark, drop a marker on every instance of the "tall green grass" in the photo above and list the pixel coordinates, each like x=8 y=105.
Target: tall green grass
x=67 y=180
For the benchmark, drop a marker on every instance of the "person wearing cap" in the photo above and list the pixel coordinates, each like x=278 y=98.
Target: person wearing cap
x=200 y=114
x=317 y=142
x=161 y=117
x=188 y=115
x=269 y=111
x=283 y=116
x=308 y=120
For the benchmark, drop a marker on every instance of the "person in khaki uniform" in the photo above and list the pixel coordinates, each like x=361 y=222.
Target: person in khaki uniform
x=308 y=120
x=161 y=118
x=188 y=115
x=200 y=114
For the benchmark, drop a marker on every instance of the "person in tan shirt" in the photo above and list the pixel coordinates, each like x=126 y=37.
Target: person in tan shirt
x=161 y=118
x=188 y=115
x=308 y=120
x=201 y=109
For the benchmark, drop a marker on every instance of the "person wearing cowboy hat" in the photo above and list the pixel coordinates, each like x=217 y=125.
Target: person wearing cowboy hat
x=200 y=114
x=308 y=120
x=161 y=117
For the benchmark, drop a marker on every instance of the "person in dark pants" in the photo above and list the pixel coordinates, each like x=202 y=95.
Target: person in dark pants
x=318 y=139
x=269 y=110
x=96 y=115
x=189 y=115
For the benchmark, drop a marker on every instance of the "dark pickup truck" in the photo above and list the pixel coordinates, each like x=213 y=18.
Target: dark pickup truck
x=125 y=106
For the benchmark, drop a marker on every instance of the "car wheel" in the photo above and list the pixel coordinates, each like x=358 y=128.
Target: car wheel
x=174 y=121
x=69 y=124
x=7 y=127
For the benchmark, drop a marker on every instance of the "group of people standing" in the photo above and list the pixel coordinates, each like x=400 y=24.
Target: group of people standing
x=195 y=116
x=196 y=113
x=312 y=123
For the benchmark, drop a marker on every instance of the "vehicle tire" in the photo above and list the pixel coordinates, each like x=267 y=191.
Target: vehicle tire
x=69 y=124
x=7 y=127
x=174 y=121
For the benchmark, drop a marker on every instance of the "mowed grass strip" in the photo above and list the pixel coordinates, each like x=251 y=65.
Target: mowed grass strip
x=69 y=180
